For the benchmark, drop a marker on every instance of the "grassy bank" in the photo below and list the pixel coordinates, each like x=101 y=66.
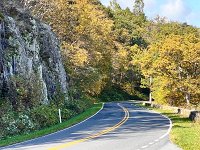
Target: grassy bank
x=68 y=123
x=185 y=133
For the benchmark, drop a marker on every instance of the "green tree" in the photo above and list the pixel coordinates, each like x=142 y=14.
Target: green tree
x=138 y=8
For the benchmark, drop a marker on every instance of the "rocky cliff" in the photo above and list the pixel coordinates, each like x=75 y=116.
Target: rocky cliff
x=30 y=62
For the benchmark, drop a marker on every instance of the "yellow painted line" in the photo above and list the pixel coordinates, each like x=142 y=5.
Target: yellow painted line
x=126 y=117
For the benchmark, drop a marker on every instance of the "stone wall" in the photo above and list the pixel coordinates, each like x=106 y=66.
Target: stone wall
x=191 y=114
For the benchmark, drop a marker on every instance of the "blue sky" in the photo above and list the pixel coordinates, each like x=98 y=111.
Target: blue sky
x=175 y=10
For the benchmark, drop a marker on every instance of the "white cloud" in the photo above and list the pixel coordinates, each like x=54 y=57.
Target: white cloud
x=123 y=3
x=126 y=3
x=193 y=18
x=175 y=10
x=105 y=2
x=150 y=4
x=151 y=8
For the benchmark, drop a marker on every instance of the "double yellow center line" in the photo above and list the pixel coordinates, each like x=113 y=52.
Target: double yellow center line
x=100 y=133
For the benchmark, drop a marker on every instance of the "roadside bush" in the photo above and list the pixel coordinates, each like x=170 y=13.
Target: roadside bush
x=80 y=105
x=13 y=124
x=45 y=116
x=24 y=123
x=111 y=96
x=67 y=114
x=114 y=94
x=84 y=103
x=9 y=123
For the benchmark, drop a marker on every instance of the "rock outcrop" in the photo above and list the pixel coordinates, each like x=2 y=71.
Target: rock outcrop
x=195 y=116
x=30 y=59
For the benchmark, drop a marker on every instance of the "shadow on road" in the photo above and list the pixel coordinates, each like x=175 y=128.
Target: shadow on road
x=140 y=122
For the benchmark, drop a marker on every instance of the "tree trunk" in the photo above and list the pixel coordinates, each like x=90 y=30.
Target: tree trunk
x=187 y=98
x=150 y=88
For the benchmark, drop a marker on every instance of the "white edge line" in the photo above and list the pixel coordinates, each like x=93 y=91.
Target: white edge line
x=170 y=122
x=170 y=126
x=57 y=131
x=169 y=129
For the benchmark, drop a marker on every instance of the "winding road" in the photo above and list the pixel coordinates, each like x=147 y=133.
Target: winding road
x=117 y=126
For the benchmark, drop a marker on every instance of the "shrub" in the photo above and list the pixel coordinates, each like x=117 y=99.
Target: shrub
x=67 y=114
x=24 y=123
x=9 y=124
x=12 y=124
x=19 y=122
x=45 y=115
x=113 y=94
x=116 y=93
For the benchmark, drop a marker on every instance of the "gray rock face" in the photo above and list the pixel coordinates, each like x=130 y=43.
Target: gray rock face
x=30 y=59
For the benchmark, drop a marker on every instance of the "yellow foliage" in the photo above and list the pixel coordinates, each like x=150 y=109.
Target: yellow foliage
x=80 y=58
x=174 y=64
x=128 y=87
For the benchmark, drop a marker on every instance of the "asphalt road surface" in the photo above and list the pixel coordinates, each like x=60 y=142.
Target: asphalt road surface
x=118 y=126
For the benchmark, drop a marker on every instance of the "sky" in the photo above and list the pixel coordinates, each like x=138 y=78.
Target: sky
x=175 y=10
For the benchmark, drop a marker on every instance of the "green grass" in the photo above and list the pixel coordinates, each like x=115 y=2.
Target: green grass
x=184 y=133
x=68 y=123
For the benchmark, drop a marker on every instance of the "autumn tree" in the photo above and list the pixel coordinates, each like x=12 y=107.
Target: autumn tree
x=85 y=31
x=174 y=65
x=114 y=46
x=128 y=30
